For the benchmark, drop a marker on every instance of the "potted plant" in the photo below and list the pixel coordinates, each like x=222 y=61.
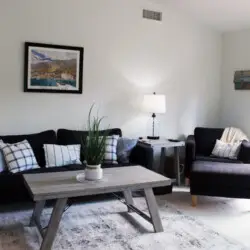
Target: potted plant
x=94 y=147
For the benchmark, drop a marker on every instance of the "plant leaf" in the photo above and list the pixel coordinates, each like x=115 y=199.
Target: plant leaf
x=94 y=148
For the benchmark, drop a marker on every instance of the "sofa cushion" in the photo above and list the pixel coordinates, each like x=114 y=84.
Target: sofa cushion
x=105 y=165
x=205 y=139
x=36 y=141
x=71 y=167
x=13 y=188
x=205 y=173
x=215 y=159
x=222 y=168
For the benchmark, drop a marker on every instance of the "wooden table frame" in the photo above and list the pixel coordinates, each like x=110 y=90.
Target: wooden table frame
x=48 y=234
x=164 y=144
x=176 y=163
x=60 y=186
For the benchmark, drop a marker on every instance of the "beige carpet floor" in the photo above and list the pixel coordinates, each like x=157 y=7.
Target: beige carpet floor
x=230 y=217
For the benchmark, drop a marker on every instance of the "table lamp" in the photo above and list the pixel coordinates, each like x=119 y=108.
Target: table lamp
x=155 y=104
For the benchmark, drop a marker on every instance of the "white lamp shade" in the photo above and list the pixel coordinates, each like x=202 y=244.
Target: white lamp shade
x=154 y=103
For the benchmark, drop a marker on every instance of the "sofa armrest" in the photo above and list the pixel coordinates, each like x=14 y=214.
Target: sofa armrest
x=190 y=154
x=142 y=155
x=244 y=154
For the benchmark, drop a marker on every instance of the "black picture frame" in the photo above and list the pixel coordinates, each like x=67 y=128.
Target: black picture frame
x=57 y=69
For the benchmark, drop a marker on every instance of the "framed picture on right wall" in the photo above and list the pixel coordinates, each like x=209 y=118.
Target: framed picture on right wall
x=242 y=80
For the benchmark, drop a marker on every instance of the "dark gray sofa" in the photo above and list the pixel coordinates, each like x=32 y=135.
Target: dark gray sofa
x=12 y=188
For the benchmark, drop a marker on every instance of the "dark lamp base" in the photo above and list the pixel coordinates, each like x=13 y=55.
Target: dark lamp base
x=153 y=137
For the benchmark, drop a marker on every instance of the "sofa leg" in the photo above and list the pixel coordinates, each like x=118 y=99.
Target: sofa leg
x=194 y=200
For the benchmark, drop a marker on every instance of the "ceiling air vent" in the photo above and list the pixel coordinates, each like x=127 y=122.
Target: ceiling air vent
x=152 y=15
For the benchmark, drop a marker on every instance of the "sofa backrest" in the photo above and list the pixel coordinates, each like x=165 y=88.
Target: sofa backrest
x=36 y=141
x=63 y=137
x=205 y=139
x=70 y=137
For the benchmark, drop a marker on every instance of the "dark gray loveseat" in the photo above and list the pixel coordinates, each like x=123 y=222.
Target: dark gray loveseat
x=12 y=188
x=216 y=176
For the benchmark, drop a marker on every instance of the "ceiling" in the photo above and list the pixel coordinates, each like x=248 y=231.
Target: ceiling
x=223 y=15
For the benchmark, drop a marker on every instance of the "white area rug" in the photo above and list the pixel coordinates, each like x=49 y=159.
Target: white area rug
x=230 y=217
x=107 y=226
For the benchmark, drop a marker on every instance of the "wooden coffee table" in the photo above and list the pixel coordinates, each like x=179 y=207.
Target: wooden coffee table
x=63 y=185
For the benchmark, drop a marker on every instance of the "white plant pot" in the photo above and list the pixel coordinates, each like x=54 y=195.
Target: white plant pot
x=93 y=172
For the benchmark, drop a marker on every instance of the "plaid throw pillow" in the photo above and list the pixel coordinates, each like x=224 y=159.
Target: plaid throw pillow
x=57 y=155
x=110 y=156
x=18 y=156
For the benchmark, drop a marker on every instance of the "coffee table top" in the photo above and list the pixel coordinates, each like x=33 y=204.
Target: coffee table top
x=46 y=186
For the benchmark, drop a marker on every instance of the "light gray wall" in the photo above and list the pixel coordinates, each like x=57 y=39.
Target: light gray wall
x=125 y=57
x=235 y=104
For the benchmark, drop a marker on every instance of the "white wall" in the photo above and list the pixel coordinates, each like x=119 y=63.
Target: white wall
x=235 y=103
x=125 y=57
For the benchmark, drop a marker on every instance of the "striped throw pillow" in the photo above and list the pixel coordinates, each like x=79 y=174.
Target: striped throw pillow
x=226 y=150
x=18 y=156
x=57 y=155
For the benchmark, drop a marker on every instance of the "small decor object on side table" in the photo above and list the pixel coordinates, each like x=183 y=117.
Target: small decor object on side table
x=154 y=104
x=93 y=149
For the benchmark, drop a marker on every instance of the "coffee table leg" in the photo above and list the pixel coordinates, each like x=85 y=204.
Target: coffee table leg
x=162 y=161
x=39 y=206
x=129 y=198
x=153 y=210
x=53 y=224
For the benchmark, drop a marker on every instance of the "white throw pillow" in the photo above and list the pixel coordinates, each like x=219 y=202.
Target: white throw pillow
x=18 y=156
x=58 y=155
x=226 y=150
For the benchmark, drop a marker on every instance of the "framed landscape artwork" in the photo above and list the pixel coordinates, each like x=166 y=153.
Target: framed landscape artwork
x=242 y=80
x=53 y=68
